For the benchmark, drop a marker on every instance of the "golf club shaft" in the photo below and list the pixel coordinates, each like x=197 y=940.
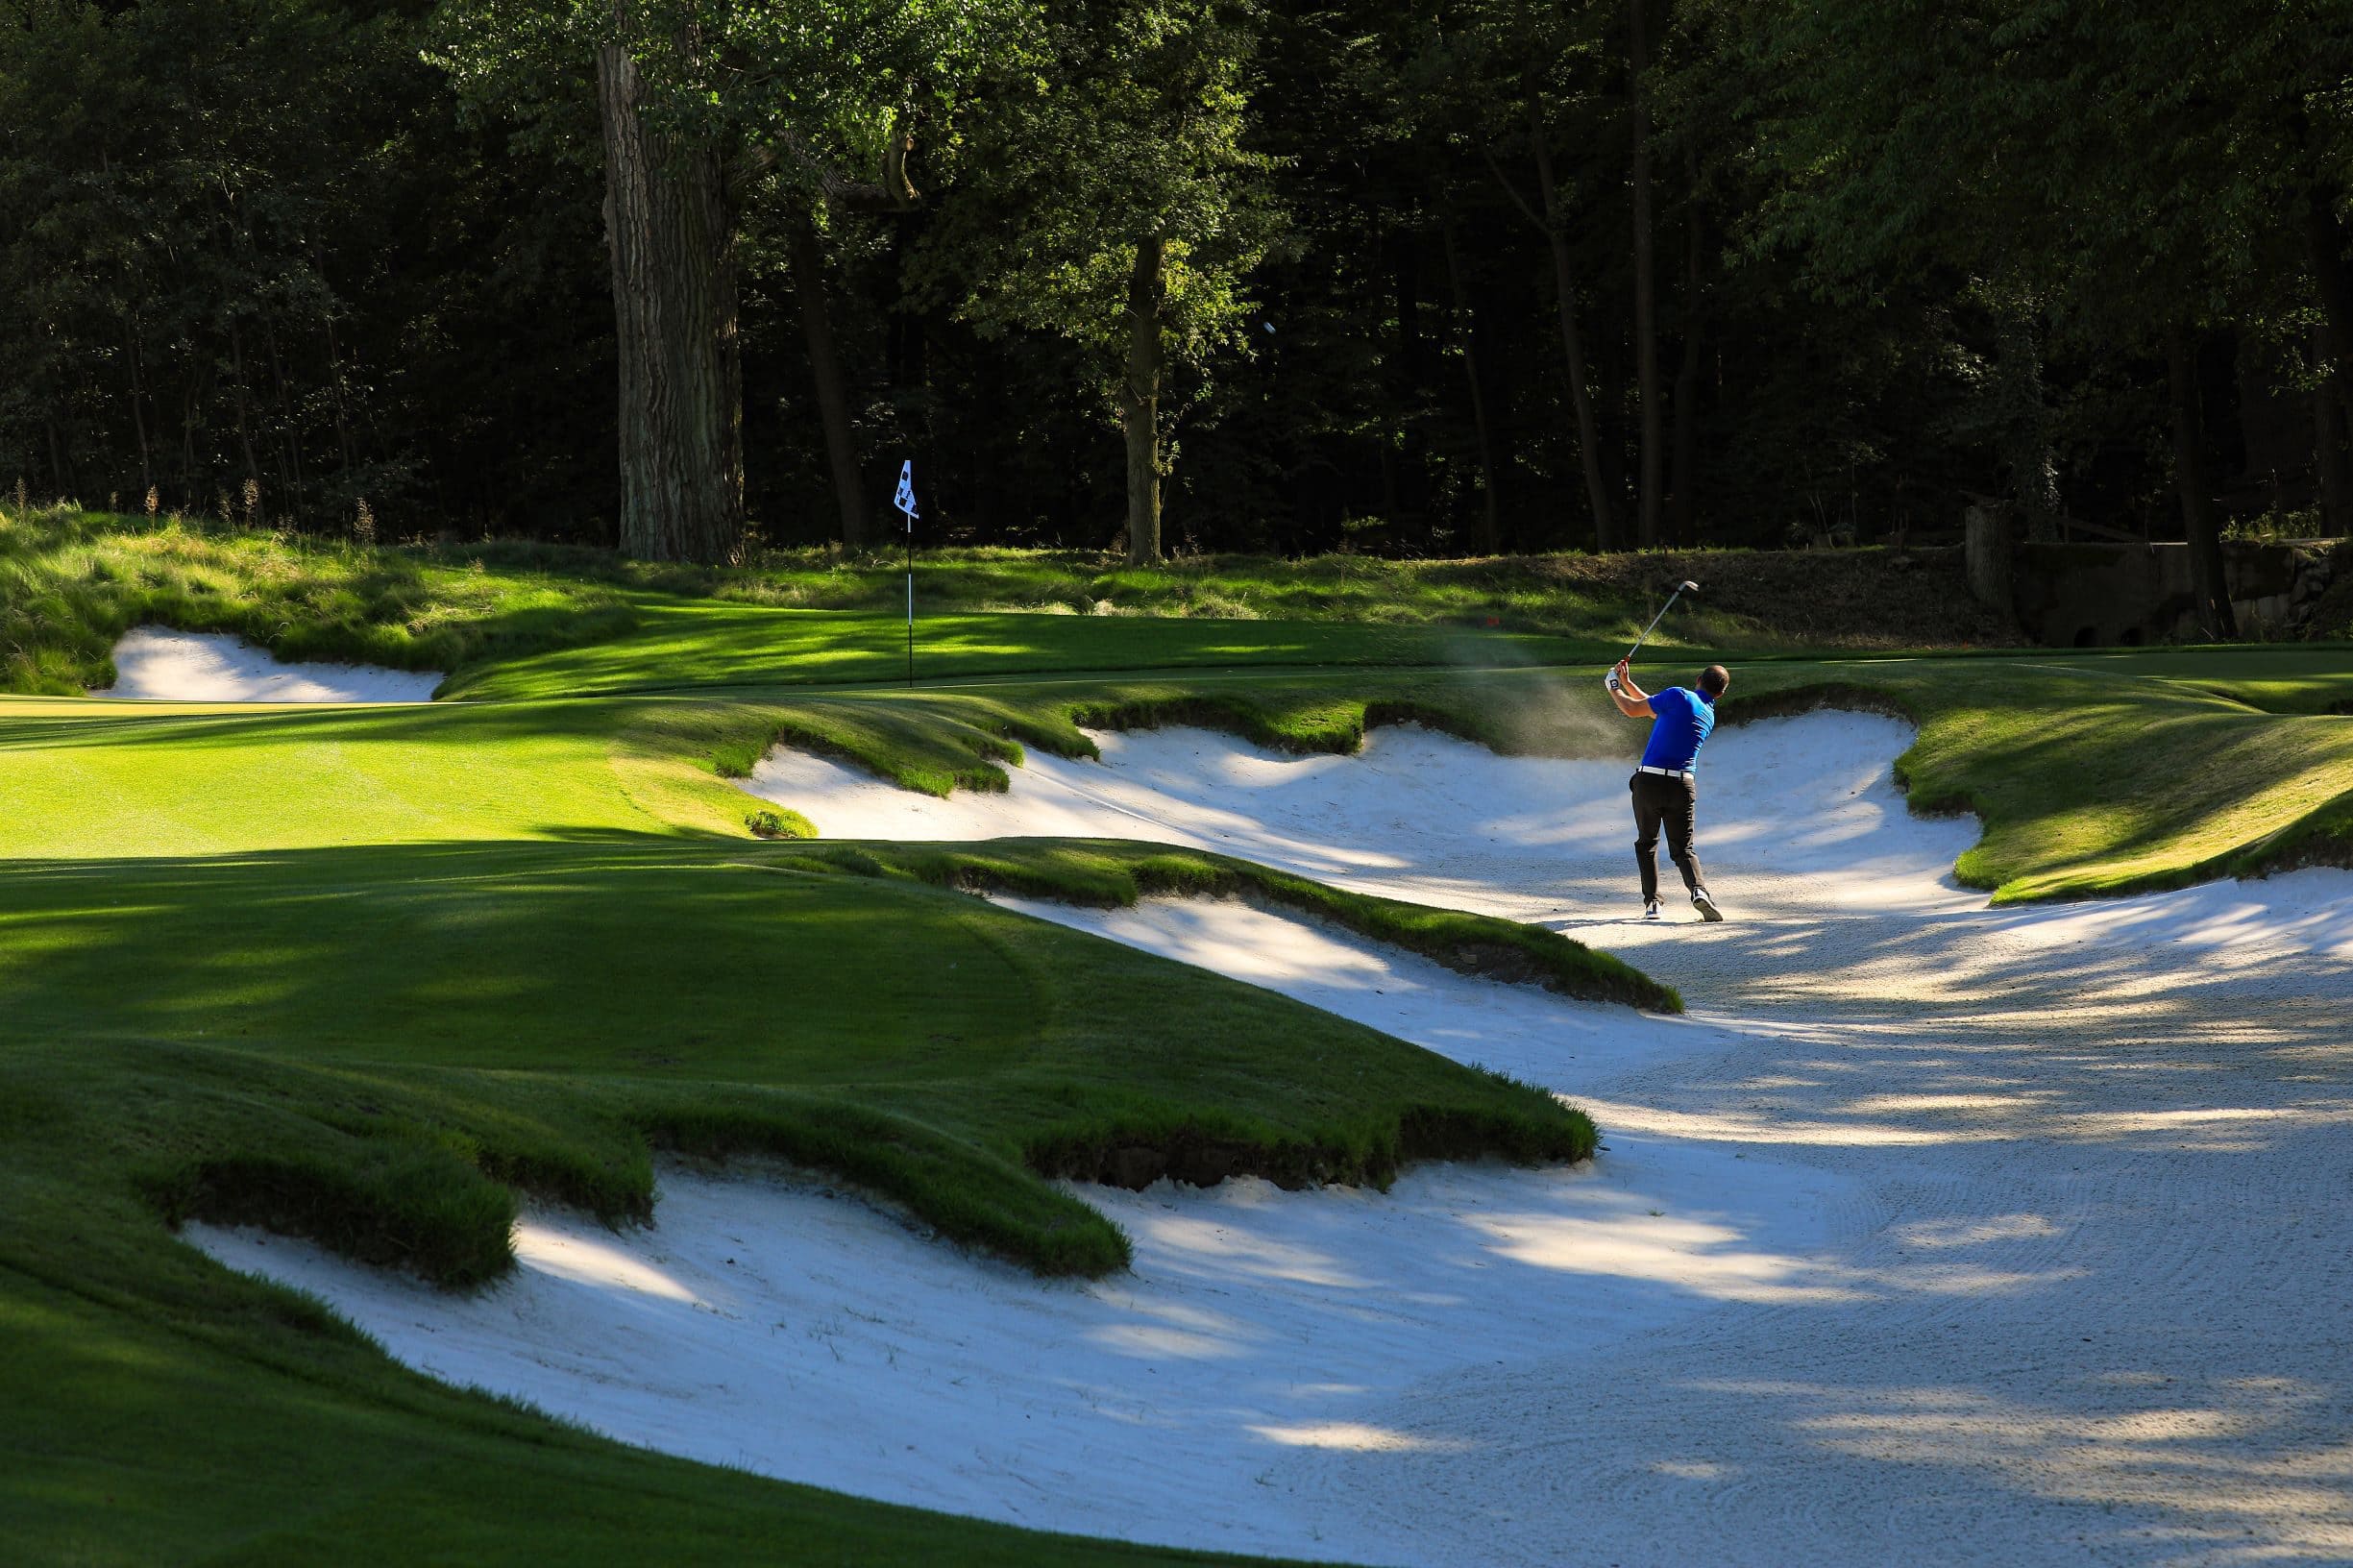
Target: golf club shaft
x=1654 y=626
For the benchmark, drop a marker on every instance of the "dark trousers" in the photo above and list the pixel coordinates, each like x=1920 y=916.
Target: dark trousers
x=1668 y=803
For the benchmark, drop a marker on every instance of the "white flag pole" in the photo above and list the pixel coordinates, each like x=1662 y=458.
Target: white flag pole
x=904 y=500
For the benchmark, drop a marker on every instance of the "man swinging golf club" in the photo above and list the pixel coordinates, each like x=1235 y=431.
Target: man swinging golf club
x=1665 y=790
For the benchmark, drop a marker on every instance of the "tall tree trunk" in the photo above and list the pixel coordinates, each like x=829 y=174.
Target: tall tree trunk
x=1609 y=413
x=1679 y=518
x=1140 y=401
x=290 y=438
x=139 y=410
x=672 y=236
x=1564 y=288
x=1401 y=466
x=236 y=371
x=1405 y=281
x=1490 y=531
x=907 y=359
x=1646 y=299
x=2324 y=243
x=826 y=370
x=2208 y=583
x=187 y=437
x=2025 y=443
x=335 y=385
x=2328 y=448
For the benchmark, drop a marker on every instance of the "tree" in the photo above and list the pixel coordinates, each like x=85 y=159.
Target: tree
x=210 y=215
x=1111 y=199
x=703 y=105
x=1646 y=304
x=2060 y=159
x=670 y=221
x=1497 y=76
x=1907 y=252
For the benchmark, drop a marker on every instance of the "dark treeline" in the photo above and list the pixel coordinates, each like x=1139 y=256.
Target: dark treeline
x=1450 y=277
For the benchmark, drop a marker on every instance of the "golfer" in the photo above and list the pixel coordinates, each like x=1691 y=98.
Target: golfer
x=1666 y=791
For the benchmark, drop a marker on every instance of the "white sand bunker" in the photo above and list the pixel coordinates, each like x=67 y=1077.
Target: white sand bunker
x=1426 y=817
x=804 y=1337
x=157 y=664
x=1937 y=1233
x=764 y=1325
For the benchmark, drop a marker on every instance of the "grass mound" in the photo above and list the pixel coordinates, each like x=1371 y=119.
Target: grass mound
x=2110 y=774
x=501 y=1014
x=71 y=583
x=1115 y=873
x=397 y=1204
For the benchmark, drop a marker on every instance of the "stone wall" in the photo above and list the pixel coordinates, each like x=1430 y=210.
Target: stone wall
x=2105 y=595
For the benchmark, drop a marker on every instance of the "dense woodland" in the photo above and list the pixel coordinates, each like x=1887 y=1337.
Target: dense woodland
x=1381 y=275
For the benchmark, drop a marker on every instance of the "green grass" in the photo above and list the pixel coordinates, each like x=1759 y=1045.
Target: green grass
x=72 y=583
x=205 y=1421
x=2107 y=773
x=366 y=973
x=711 y=644
x=373 y=1045
x=511 y=620
x=1115 y=873
x=361 y=974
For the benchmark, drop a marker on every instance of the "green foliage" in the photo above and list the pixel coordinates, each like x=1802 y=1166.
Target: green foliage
x=1125 y=122
x=807 y=89
x=246 y=242
x=1919 y=251
x=2111 y=164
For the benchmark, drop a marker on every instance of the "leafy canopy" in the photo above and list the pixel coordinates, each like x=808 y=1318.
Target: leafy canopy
x=1125 y=122
x=812 y=87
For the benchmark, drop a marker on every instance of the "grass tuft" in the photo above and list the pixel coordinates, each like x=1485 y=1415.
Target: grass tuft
x=411 y=1204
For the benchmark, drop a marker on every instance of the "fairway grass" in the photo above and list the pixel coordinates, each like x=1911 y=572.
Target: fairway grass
x=360 y=973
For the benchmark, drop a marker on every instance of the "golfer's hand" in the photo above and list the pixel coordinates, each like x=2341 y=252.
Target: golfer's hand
x=1621 y=671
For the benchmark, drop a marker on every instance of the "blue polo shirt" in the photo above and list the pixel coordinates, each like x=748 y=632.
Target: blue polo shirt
x=1684 y=719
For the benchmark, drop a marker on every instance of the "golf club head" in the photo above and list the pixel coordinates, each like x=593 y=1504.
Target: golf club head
x=1688 y=588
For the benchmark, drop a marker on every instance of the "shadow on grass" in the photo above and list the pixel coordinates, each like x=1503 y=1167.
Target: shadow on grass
x=420 y=1022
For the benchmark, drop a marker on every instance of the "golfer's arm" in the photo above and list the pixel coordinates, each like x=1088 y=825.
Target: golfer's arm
x=1632 y=701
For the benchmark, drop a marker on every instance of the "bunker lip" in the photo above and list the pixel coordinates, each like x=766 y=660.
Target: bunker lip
x=158 y=664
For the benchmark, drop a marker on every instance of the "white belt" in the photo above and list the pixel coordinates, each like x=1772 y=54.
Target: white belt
x=1663 y=772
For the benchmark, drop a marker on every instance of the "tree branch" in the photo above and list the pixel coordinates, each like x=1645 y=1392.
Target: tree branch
x=1513 y=191
x=891 y=193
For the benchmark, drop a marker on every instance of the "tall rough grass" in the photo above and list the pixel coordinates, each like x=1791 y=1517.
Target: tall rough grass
x=72 y=583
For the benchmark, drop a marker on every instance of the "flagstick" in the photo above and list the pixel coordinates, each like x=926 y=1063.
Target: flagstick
x=904 y=500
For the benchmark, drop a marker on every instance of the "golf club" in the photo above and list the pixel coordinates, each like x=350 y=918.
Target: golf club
x=1680 y=590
